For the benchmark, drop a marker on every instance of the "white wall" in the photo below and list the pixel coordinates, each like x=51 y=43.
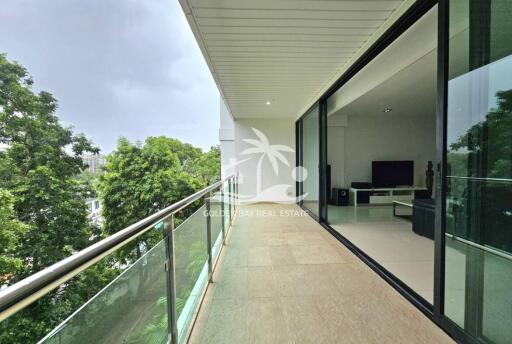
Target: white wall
x=278 y=187
x=336 y=149
x=336 y=155
x=227 y=140
x=274 y=187
x=369 y=138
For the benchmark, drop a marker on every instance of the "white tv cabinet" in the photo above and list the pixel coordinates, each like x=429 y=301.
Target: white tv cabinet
x=387 y=195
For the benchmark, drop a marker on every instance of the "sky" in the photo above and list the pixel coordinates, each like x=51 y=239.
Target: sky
x=127 y=68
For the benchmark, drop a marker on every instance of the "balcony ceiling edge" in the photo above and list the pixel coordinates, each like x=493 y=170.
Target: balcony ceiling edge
x=273 y=59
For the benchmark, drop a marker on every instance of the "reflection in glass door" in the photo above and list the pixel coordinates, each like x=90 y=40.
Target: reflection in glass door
x=478 y=251
x=311 y=160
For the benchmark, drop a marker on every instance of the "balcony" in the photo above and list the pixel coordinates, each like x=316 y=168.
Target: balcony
x=283 y=278
x=231 y=274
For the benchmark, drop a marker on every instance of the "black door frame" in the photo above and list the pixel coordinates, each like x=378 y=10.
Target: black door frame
x=323 y=192
x=298 y=161
x=436 y=311
x=442 y=88
x=299 y=155
x=438 y=315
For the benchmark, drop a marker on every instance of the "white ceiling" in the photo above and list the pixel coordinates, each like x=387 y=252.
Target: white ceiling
x=410 y=92
x=283 y=51
x=402 y=78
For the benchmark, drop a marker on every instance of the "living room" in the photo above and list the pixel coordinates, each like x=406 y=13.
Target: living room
x=381 y=152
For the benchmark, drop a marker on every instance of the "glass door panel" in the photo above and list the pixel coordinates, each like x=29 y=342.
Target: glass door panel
x=478 y=258
x=311 y=160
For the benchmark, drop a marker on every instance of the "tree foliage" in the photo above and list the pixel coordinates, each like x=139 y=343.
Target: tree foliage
x=43 y=189
x=38 y=169
x=44 y=217
x=10 y=235
x=141 y=179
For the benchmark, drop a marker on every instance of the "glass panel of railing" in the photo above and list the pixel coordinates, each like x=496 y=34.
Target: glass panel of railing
x=191 y=267
x=227 y=212
x=216 y=223
x=232 y=199
x=131 y=309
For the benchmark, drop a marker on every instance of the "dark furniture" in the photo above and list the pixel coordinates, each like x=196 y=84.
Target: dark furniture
x=363 y=196
x=339 y=197
x=422 y=194
x=423 y=217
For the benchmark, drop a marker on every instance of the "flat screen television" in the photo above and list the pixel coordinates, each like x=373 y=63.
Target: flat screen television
x=390 y=174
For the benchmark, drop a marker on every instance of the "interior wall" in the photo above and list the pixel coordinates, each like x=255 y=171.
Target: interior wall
x=369 y=138
x=336 y=154
x=255 y=169
x=311 y=157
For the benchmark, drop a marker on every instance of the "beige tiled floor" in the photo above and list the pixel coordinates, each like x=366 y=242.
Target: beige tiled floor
x=391 y=242
x=284 y=279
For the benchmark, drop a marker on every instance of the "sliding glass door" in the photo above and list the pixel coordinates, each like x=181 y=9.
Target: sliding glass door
x=478 y=180
x=311 y=161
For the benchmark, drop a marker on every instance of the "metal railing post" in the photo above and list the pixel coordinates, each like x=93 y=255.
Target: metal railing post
x=235 y=186
x=233 y=198
x=229 y=200
x=236 y=190
x=234 y=193
x=209 y=237
x=222 y=214
x=170 y=268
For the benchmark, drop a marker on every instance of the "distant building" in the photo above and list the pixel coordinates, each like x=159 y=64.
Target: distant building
x=94 y=162
x=94 y=211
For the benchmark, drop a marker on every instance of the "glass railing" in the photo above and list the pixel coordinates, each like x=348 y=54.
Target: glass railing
x=191 y=267
x=132 y=308
x=218 y=227
x=154 y=299
x=227 y=204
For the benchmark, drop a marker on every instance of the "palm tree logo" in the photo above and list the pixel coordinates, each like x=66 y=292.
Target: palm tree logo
x=272 y=152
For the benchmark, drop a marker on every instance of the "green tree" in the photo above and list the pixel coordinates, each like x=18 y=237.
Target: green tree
x=43 y=190
x=141 y=179
x=206 y=167
x=39 y=167
x=39 y=162
x=11 y=233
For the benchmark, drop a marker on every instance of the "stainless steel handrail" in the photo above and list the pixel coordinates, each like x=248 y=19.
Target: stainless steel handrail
x=30 y=289
x=482 y=179
x=481 y=247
